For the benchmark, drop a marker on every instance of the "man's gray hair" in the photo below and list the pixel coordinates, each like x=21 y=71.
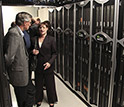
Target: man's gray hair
x=21 y=17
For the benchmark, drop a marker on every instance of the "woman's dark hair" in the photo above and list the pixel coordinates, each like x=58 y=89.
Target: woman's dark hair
x=48 y=25
x=32 y=21
x=13 y=24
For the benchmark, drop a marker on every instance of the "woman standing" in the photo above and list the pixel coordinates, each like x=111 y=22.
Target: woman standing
x=46 y=54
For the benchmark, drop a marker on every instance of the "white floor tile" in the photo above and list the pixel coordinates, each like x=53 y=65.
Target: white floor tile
x=65 y=97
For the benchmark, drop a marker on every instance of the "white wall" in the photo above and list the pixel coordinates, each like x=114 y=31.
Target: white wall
x=43 y=14
x=9 y=13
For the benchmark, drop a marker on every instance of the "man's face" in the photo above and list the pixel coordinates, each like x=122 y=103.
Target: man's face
x=27 y=24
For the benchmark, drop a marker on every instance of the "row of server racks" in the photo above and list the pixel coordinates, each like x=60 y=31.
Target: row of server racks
x=90 y=44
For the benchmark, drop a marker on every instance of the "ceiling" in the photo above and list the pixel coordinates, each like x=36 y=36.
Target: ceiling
x=38 y=2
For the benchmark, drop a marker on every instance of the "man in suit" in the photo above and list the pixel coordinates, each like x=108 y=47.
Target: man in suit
x=16 y=57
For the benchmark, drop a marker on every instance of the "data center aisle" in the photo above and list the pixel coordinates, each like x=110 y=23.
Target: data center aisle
x=65 y=97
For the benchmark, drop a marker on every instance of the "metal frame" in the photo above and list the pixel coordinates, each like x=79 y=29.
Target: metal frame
x=83 y=4
x=114 y=52
x=90 y=56
x=74 y=46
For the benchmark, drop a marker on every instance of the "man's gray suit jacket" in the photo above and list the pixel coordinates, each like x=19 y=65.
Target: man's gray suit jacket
x=16 y=57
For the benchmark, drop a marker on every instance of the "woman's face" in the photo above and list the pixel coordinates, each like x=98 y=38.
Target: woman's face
x=43 y=29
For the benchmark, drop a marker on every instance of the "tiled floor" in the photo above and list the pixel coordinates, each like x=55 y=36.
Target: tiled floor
x=65 y=97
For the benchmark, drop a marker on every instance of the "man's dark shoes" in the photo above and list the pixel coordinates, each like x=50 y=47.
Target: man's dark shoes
x=38 y=105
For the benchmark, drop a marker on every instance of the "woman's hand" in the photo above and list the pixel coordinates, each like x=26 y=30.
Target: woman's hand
x=35 y=51
x=46 y=65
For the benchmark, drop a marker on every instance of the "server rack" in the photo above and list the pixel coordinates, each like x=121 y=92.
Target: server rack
x=68 y=42
x=52 y=19
x=60 y=39
x=118 y=98
x=5 y=97
x=82 y=46
x=103 y=52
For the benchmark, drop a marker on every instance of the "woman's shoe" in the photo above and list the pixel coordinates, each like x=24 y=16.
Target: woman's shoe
x=52 y=105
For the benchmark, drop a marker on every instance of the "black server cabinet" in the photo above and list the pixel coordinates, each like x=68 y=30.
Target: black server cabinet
x=102 y=52
x=5 y=97
x=82 y=46
x=52 y=19
x=60 y=39
x=68 y=42
x=118 y=95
